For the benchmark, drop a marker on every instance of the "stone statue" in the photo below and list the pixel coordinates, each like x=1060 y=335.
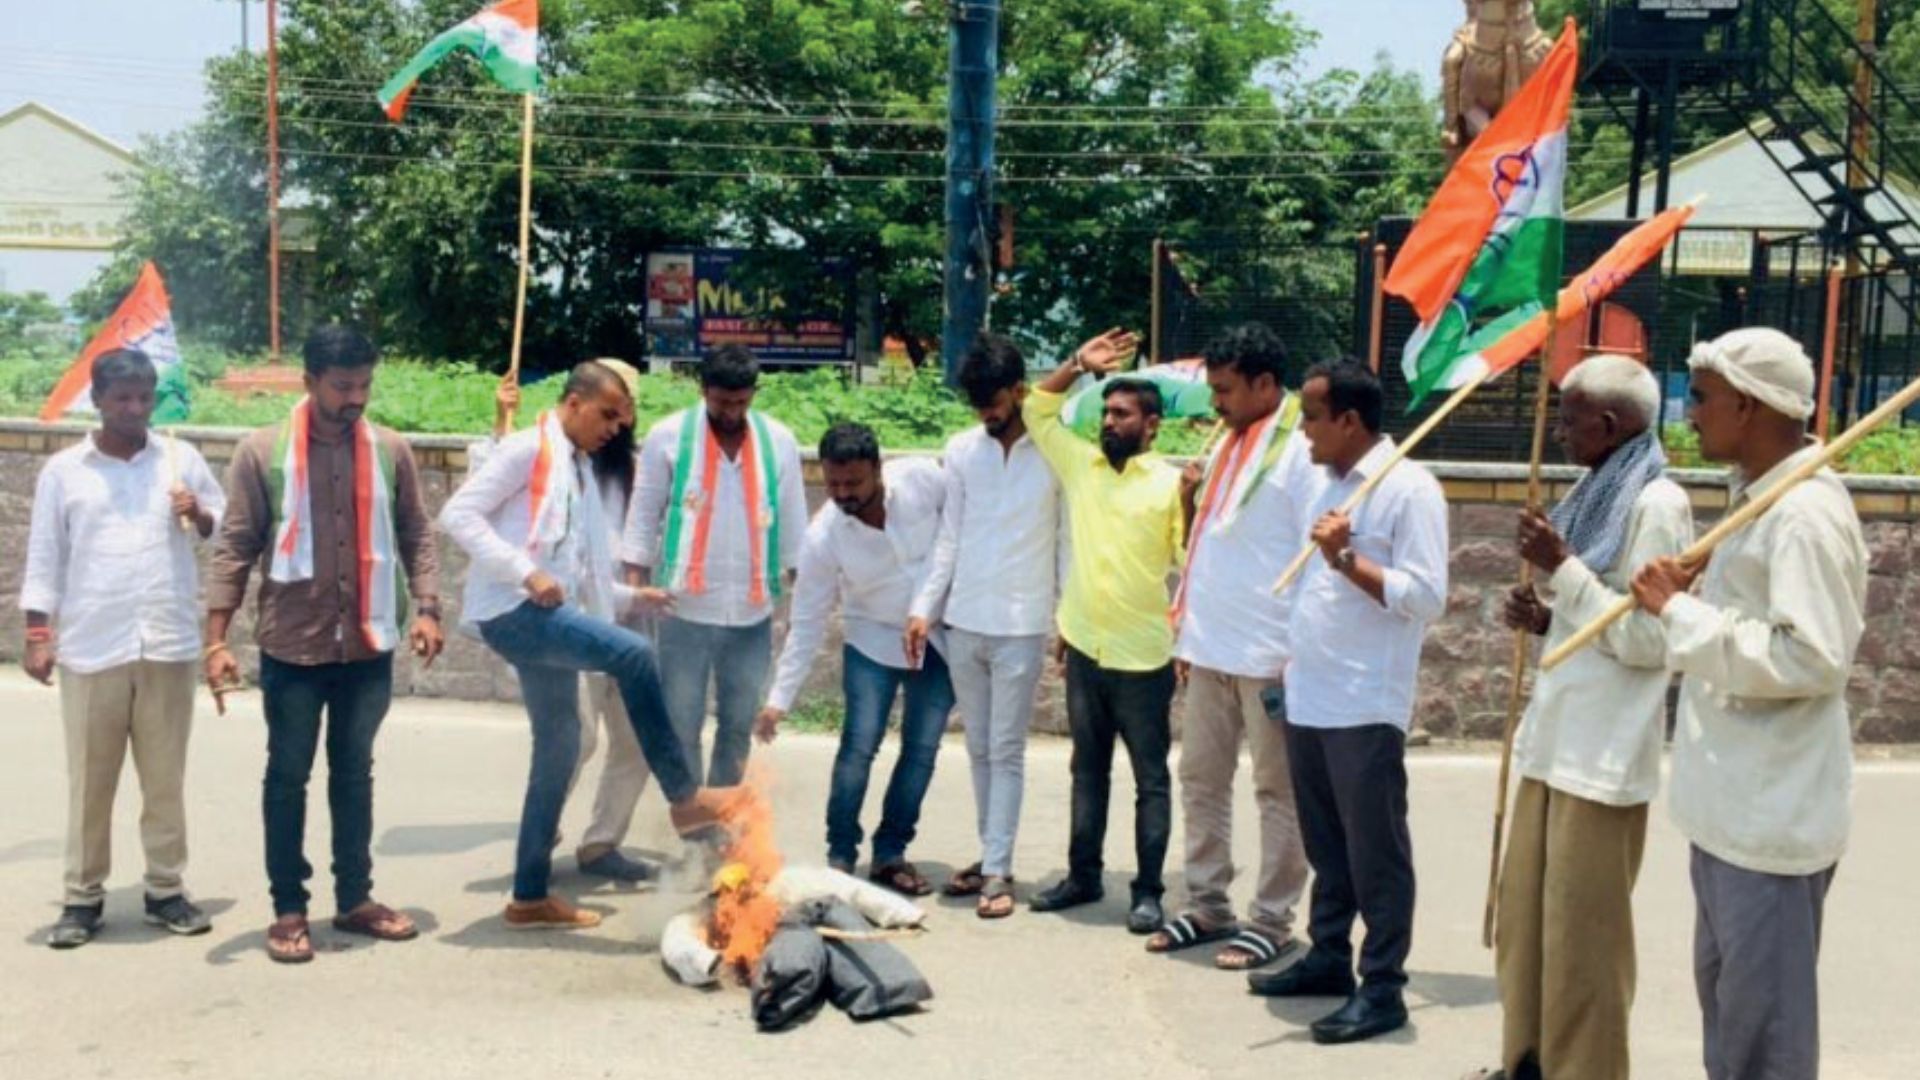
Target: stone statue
x=1490 y=56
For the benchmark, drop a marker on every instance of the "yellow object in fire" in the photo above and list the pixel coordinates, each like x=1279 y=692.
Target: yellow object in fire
x=731 y=877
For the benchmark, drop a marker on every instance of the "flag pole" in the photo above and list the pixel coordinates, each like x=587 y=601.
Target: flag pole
x=273 y=179
x=526 y=213
x=1696 y=556
x=1522 y=645
x=1400 y=454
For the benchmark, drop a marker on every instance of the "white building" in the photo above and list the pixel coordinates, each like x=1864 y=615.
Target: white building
x=60 y=202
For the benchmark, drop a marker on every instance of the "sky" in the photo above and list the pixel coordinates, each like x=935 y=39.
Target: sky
x=128 y=68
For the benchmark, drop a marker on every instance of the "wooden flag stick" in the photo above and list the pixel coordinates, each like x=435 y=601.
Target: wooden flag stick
x=1522 y=647
x=526 y=232
x=1734 y=522
x=173 y=478
x=1400 y=453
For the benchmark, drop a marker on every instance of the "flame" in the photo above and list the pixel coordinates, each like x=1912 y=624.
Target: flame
x=744 y=916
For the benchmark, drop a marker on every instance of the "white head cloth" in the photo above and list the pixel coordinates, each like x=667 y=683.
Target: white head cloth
x=1764 y=364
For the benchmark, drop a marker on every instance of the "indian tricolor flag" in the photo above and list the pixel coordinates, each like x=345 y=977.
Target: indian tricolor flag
x=143 y=321
x=506 y=38
x=1491 y=240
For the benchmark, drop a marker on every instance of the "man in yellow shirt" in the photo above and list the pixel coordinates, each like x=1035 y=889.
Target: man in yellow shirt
x=1127 y=528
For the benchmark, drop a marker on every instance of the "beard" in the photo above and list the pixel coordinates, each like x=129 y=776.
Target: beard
x=1118 y=447
x=726 y=425
x=998 y=428
x=852 y=507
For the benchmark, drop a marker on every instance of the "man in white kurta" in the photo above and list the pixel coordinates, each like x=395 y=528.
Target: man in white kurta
x=1763 y=749
x=111 y=595
x=1588 y=748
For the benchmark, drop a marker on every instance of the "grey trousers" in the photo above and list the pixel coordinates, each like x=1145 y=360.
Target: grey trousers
x=1756 y=948
x=993 y=683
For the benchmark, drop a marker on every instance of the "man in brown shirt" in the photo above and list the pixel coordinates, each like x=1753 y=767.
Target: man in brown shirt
x=329 y=507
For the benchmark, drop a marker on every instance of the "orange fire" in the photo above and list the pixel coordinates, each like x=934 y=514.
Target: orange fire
x=744 y=916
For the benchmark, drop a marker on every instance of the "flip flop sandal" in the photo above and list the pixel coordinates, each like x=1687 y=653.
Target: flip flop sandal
x=1257 y=948
x=289 y=944
x=902 y=878
x=966 y=882
x=1186 y=932
x=996 y=899
x=377 y=921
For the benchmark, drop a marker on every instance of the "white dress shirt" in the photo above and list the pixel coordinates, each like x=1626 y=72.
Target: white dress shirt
x=725 y=602
x=1356 y=661
x=1763 y=750
x=1002 y=551
x=489 y=517
x=107 y=560
x=871 y=575
x=1232 y=622
x=1595 y=723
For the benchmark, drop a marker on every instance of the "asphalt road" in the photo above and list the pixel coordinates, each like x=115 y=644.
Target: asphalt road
x=1070 y=995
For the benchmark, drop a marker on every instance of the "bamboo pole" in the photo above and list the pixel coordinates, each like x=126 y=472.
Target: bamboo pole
x=1829 y=351
x=1400 y=453
x=1522 y=646
x=173 y=478
x=1377 y=329
x=1734 y=522
x=526 y=232
x=273 y=179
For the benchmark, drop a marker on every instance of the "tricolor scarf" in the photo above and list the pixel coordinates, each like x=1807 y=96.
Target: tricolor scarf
x=696 y=476
x=377 y=565
x=558 y=502
x=1235 y=471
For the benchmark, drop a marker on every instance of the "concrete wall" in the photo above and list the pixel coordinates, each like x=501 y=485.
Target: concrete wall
x=1464 y=674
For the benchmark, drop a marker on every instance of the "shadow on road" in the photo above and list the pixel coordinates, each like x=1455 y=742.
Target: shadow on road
x=444 y=839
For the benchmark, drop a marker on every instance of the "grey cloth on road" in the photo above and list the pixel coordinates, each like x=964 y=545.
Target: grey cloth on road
x=1756 y=950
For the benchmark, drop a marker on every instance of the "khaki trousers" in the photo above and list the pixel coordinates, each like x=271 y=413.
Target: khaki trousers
x=624 y=773
x=149 y=706
x=1563 y=939
x=1220 y=710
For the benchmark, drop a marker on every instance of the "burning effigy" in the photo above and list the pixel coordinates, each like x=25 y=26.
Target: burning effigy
x=797 y=937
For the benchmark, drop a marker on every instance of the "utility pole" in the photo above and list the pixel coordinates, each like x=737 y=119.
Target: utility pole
x=273 y=180
x=972 y=69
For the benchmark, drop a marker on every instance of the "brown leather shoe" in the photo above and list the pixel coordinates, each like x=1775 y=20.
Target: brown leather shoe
x=705 y=809
x=551 y=913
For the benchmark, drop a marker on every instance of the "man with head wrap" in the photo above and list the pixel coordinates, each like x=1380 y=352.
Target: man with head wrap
x=1588 y=749
x=1762 y=757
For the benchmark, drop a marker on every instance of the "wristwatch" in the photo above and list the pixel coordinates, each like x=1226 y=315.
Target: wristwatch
x=1343 y=561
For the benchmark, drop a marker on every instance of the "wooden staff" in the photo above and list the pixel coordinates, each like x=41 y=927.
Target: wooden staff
x=526 y=233
x=1522 y=646
x=1696 y=555
x=835 y=934
x=1400 y=454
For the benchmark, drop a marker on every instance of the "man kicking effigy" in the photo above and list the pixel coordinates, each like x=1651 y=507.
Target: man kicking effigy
x=541 y=592
x=1588 y=748
x=1763 y=747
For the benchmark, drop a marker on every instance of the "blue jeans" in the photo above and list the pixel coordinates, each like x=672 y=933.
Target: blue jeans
x=732 y=659
x=549 y=648
x=354 y=698
x=870 y=688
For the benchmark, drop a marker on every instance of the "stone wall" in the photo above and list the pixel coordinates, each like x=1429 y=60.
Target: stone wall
x=1465 y=670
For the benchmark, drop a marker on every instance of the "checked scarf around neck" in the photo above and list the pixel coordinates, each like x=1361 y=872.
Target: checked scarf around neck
x=1235 y=471
x=1593 y=517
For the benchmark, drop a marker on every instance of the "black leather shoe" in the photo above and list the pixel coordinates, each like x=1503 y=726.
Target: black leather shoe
x=1147 y=916
x=1314 y=976
x=1362 y=1017
x=1067 y=894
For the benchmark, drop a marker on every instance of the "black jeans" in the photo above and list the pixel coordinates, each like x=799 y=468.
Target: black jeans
x=1103 y=704
x=1351 y=787
x=354 y=698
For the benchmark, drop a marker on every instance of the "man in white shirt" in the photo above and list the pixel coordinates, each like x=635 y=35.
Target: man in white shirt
x=866 y=554
x=1763 y=746
x=540 y=591
x=996 y=569
x=1231 y=650
x=1588 y=749
x=111 y=595
x=718 y=513
x=1355 y=629
x=623 y=770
